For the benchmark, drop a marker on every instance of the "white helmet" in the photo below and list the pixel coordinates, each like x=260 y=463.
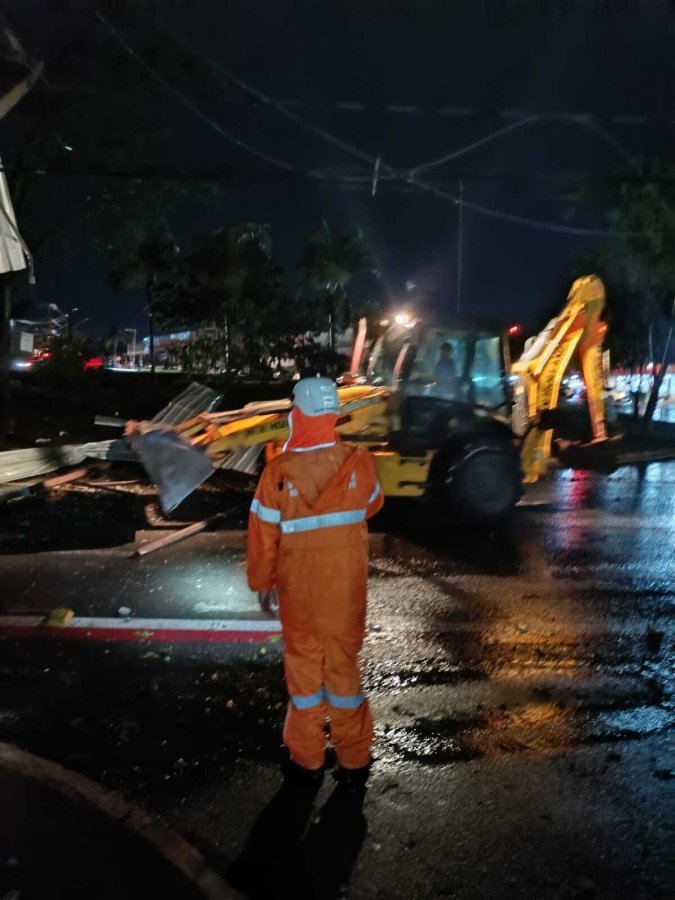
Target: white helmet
x=316 y=396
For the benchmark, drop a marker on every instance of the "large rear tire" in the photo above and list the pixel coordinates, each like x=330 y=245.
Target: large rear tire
x=486 y=485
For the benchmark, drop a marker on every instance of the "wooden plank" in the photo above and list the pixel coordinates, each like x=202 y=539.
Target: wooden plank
x=58 y=480
x=175 y=536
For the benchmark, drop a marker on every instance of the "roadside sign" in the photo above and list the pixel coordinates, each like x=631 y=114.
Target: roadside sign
x=26 y=342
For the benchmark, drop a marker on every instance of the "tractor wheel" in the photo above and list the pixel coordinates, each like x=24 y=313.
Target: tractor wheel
x=486 y=486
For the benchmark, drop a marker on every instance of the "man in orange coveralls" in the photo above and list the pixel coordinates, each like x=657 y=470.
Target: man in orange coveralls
x=308 y=545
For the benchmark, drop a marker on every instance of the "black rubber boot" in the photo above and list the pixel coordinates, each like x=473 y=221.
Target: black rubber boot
x=352 y=779
x=298 y=776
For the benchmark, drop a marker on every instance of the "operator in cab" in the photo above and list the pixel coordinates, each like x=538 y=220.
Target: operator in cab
x=445 y=373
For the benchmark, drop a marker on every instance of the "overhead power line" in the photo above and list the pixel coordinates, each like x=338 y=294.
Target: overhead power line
x=522 y=220
x=391 y=174
x=370 y=108
x=455 y=154
x=189 y=104
x=268 y=101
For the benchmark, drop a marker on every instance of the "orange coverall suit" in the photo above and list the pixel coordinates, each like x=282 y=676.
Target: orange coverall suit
x=307 y=535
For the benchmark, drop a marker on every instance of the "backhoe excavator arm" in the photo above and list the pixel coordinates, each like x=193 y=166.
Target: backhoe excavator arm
x=542 y=366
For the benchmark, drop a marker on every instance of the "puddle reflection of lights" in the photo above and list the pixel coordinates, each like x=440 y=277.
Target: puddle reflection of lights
x=642 y=720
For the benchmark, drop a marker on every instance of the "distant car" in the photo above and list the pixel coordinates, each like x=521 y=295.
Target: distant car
x=20 y=365
x=23 y=364
x=94 y=364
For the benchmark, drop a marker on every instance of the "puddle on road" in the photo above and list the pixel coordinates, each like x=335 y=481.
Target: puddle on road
x=629 y=724
x=167 y=718
x=422 y=675
x=538 y=727
x=430 y=741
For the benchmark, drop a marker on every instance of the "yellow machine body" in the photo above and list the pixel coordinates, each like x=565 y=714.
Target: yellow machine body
x=369 y=414
x=579 y=328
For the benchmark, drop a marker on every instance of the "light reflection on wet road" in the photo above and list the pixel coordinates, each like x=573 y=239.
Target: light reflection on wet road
x=546 y=643
x=569 y=591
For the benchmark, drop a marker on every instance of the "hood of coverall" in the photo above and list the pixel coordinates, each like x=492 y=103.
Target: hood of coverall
x=310 y=432
x=312 y=420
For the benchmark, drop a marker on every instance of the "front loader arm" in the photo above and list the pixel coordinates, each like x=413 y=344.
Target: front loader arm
x=364 y=413
x=180 y=457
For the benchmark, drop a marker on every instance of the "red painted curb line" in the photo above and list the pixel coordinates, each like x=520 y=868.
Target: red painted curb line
x=166 y=635
x=178 y=630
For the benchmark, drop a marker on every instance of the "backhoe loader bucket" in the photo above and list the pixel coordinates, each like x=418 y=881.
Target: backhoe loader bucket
x=173 y=465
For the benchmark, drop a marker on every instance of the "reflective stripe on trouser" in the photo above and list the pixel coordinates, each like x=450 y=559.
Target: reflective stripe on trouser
x=323 y=678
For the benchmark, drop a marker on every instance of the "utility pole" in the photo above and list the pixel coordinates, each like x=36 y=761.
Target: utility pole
x=460 y=242
x=133 y=350
x=71 y=310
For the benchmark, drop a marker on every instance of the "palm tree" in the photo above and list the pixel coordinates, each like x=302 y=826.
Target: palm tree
x=230 y=277
x=151 y=261
x=328 y=264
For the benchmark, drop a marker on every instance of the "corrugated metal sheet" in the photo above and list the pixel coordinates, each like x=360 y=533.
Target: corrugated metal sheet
x=174 y=466
x=12 y=257
x=196 y=398
x=15 y=465
x=113 y=451
x=246 y=460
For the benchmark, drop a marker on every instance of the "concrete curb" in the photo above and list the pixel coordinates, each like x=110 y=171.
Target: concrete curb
x=152 y=830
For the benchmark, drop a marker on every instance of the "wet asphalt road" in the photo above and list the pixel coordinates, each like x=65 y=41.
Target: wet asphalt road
x=522 y=685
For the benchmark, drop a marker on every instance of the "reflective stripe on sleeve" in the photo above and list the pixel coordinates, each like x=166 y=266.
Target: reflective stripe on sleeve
x=345 y=702
x=265 y=513
x=309 y=702
x=327 y=520
x=375 y=494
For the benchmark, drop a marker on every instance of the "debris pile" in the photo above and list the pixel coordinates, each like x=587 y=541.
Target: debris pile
x=185 y=445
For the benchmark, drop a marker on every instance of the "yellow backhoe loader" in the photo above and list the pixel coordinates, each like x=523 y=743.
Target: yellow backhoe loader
x=439 y=433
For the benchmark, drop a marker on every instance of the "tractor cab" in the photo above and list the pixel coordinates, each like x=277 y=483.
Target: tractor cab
x=450 y=414
x=437 y=370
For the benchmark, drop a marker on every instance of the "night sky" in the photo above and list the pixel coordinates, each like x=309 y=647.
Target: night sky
x=410 y=82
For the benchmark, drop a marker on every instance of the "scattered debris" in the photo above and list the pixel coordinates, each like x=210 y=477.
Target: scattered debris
x=42 y=487
x=176 y=536
x=59 y=618
x=109 y=422
x=112 y=484
x=76 y=475
x=16 y=465
x=174 y=465
x=196 y=398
